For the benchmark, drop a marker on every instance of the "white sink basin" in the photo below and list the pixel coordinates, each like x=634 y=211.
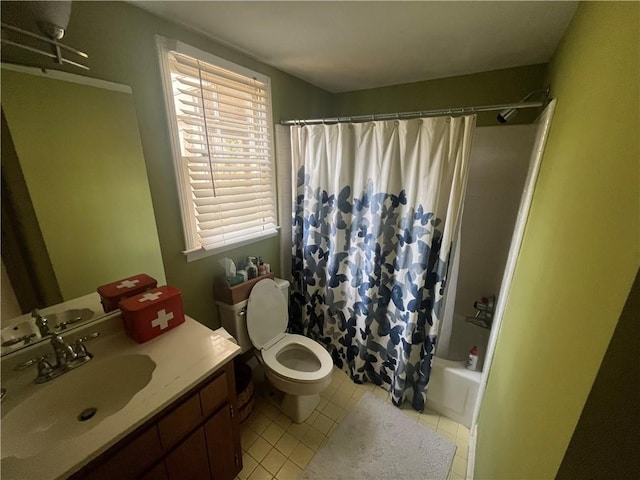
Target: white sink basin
x=64 y=407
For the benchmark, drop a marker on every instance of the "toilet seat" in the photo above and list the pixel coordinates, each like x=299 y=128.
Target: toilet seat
x=266 y=324
x=270 y=358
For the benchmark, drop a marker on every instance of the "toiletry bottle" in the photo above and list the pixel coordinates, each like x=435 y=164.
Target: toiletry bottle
x=241 y=271
x=252 y=270
x=472 y=361
x=262 y=268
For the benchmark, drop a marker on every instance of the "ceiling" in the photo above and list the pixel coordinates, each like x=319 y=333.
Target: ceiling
x=345 y=46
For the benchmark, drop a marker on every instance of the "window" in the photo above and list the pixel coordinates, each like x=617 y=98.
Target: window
x=221 y=126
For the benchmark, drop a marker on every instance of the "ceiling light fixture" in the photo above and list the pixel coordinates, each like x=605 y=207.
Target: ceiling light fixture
x=52 y=18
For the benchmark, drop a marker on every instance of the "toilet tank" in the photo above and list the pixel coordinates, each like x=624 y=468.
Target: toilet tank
x=233 y=318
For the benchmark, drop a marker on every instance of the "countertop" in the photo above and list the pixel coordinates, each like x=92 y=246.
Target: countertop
x=184 y=357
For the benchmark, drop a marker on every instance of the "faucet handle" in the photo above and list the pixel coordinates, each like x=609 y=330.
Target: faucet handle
x=79 y=348
x=14 y=341
x=87 y=338
x=44 y=367
x=31 y=361
x=63 y=325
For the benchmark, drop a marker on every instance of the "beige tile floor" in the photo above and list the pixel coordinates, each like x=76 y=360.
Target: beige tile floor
x=274 y=447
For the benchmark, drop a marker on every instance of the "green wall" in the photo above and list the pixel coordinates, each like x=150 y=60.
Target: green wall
x=580 y=251
x=487 y=88
x=119 y=39
x=611 y=412
x=24 y=252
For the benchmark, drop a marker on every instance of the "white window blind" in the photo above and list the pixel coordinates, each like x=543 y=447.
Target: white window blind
x=223 y=150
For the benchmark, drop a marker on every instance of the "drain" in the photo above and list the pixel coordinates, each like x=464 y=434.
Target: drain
x=87 y=414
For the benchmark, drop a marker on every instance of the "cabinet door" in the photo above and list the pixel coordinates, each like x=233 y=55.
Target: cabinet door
x=175 y=426
x=225 y=461
x=189 y=460
x=159 y=472
x=130 y=460
x=214 y=395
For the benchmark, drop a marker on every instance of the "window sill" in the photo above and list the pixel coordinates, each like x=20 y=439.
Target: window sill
x=193 y=255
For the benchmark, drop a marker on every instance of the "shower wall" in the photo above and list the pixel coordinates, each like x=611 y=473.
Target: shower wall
x=499 y=162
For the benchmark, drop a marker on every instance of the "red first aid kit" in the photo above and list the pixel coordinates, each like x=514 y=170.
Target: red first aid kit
x=112 y=293
x=152 y=313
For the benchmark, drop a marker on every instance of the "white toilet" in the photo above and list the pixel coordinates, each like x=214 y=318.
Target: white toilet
x=296 y=365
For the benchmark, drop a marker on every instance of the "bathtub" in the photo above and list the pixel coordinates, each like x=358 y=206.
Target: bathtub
x=453 y=390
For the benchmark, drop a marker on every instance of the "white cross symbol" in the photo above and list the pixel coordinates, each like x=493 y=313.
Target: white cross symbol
x=163 y=319
x=150 y=297
x=128 y=284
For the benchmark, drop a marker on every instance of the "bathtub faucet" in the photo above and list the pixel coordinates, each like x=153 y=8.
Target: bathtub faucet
x=484 y=312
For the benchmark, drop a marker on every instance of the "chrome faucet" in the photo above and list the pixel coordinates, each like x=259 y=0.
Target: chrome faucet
x=67 y=356
x=64 y=352
x=41 y=322
x=484 y=312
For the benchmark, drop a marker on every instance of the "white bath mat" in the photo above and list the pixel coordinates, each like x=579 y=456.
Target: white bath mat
x=377 y=441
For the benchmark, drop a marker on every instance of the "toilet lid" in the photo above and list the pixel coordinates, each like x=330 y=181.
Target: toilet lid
x=267 y=316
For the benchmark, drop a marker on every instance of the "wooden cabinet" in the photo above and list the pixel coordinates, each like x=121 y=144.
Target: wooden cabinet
x=190 y=459
x=197 y=437
x=184 y=418
x=215 y=394
x=131 y=460
x=159 y=472
x=223 y=457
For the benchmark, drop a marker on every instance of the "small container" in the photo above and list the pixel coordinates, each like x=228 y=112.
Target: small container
x=472 y=361
x=262 y=269
x=225 y=293
x=252 y=269
x=112 y=293
x=235 y=280
x=152 y=313
x=242 y=271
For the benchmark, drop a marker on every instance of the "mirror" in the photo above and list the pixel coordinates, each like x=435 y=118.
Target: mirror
x=76 y=205
x=28 y=329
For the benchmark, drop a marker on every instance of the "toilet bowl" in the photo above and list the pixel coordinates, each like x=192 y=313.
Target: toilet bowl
x=295 y=365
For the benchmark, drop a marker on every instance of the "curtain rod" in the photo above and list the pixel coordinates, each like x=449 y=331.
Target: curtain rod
x=424 y=113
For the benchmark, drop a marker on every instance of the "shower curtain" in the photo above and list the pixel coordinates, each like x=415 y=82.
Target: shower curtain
x=375 y=210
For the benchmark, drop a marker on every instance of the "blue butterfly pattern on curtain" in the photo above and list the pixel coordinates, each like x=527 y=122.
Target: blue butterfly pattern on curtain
x=365 y=269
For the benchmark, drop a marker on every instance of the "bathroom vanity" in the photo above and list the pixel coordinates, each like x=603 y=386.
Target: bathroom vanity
x=164 y=409
x=193 y=438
